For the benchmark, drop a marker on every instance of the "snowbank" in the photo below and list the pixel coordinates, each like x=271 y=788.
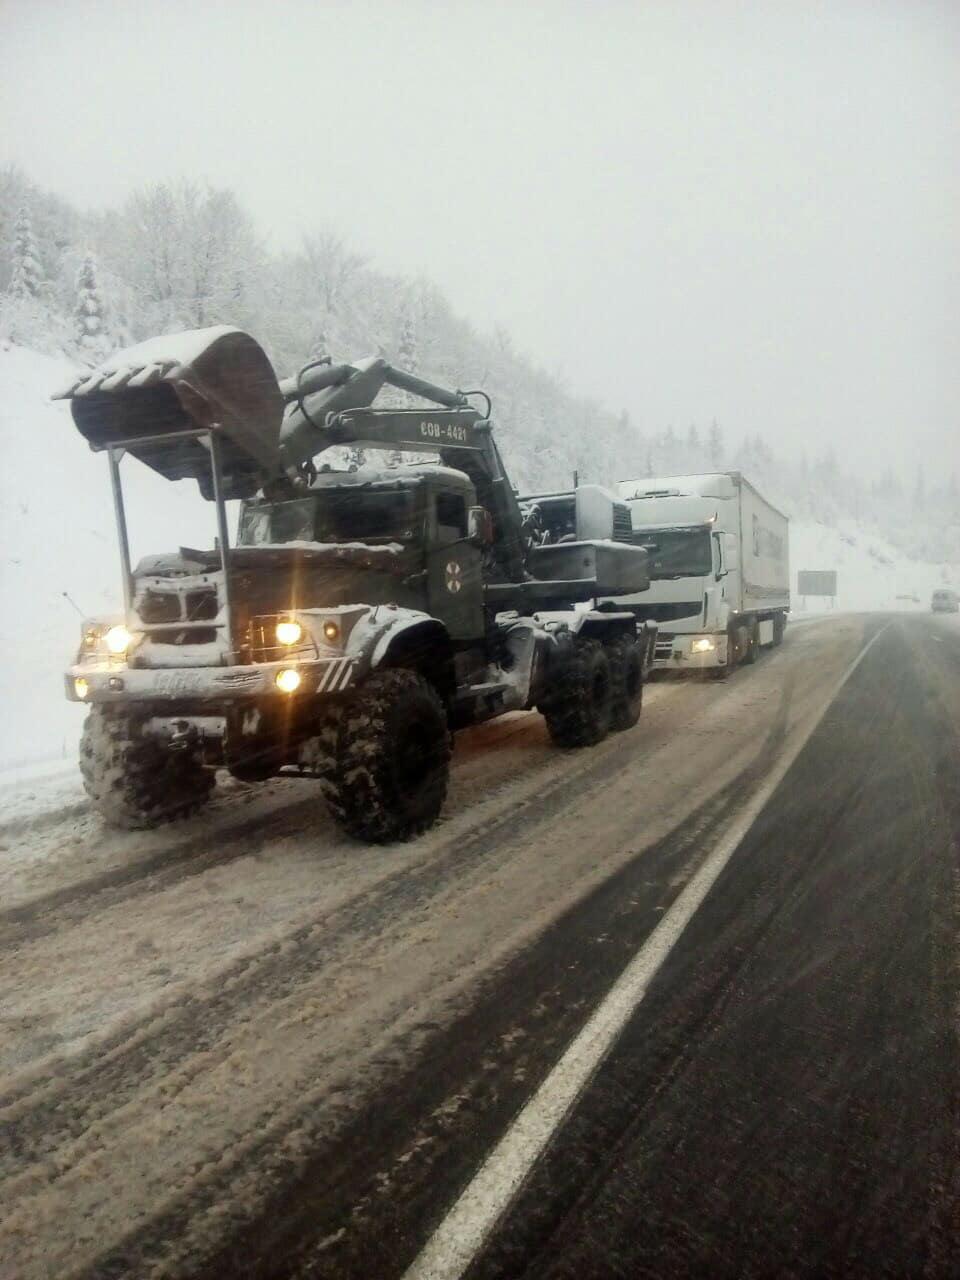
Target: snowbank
x=57 y=536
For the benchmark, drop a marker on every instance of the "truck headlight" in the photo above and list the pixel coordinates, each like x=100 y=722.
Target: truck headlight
x=80 y=687
x=289 y=632
x=702 y=644
x=288 y=680
x=118 y=640
x=331 y=631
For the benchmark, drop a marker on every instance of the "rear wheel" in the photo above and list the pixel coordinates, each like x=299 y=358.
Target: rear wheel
x=580 y=706
x=391 y=763
x=626 y=678
x=752 y=647
x=134 y=781
x=779 y=626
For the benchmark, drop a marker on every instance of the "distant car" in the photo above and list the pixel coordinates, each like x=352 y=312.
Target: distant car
x=945 y=602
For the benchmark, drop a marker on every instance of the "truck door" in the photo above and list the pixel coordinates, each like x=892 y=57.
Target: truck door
x=454 y=582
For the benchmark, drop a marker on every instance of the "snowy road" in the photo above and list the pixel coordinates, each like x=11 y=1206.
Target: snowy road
x=247 y=1046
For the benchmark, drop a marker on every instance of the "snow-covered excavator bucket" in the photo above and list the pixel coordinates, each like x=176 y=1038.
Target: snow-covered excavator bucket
x=145 y=396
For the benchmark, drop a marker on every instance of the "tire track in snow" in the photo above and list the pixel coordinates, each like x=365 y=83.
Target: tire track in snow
x=67 y=1095
x=265 y=1158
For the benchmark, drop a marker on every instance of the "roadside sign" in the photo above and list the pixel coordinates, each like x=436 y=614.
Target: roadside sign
x=817 y=582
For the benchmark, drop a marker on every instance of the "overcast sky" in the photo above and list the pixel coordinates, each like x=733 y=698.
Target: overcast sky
x=748 y=211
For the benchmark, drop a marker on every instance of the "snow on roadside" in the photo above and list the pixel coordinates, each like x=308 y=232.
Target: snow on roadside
x=57 y=536
x=871 y=574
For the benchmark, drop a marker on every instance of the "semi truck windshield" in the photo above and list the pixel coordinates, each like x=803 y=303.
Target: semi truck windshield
x=338 y=515
x=676 y=553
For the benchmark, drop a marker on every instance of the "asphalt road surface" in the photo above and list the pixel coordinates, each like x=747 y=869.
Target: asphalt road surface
x=244 y=1046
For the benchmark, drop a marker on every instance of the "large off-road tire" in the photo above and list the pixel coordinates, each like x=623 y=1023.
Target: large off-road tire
x=626 y=678
x=133 y=781
x=253 y=770
x=579 y=709
x=391 y=764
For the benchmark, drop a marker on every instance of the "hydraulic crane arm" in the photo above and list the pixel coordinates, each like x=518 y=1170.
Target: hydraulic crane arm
x=159 y=400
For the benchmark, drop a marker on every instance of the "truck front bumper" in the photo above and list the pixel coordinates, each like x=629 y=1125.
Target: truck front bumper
x=253 y=683
x=694 y=651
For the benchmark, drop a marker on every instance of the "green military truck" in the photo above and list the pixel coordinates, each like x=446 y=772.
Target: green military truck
x=358 y=618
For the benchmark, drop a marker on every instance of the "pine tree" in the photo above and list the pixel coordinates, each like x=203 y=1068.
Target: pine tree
x=407 y=350
x=919 y=491
x=27 y=280
x=715 y=445
x=693 y=447
x=89 y=312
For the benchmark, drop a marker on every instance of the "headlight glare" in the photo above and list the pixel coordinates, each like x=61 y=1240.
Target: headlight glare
x=703 y=644
x=331 y=631
x=288 y=680
x=80 y=687
x=289 y=632
x=118 y=640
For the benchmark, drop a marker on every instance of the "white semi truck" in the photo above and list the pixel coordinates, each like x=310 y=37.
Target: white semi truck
x=719 y=569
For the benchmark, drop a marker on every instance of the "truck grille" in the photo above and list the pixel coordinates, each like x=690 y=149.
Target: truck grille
x=622 y=524
x=156 y=607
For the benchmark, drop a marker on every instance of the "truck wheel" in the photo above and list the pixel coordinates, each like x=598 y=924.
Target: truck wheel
x=253 y=770
x=131 y=780
x=580 y=707
x=779 y=626
x=391 y=764
x=626 y=677
x=752 y=650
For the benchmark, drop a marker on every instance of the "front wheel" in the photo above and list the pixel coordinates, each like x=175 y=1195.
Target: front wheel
x=134 y=781
x=390 y=765
x=579 y=708
x=626 y=678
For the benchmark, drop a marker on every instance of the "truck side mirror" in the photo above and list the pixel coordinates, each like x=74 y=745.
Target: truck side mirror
x=479 y=527
x=721 y=570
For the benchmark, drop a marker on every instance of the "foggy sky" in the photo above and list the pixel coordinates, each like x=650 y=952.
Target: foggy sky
x=732 y=210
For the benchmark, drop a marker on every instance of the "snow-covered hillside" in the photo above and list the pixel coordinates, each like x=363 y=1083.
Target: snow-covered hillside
x=871 y=574
x=58 y=541
x=56 y=537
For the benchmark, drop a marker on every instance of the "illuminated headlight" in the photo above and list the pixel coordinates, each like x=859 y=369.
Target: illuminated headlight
x=80 y=687
x=331 y=631
x=702 y=644
x=288 y=680
x=289 y=632
x=118 y=640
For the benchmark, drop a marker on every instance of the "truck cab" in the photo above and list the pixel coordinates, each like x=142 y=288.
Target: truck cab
x=415 y=530
x=718 y=569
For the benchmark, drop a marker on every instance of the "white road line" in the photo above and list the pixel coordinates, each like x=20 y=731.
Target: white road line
x=465 y=1229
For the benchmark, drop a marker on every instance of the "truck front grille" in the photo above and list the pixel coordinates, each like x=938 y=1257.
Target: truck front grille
x=157 y=607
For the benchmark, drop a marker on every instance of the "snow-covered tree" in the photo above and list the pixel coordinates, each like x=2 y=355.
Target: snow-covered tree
x=715 y=446
x=90 y=312
x=27 y=278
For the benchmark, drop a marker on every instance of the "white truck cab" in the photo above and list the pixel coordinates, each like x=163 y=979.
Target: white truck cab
x=719 y=568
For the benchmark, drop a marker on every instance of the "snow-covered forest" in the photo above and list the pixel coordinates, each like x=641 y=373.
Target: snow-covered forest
x=185 y=255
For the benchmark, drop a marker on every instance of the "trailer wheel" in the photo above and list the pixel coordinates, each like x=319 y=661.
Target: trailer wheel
x=579 y=710
x=131 y=780
x=390 y=767
x=752 y=650
x=779 y=627
x=626 y=678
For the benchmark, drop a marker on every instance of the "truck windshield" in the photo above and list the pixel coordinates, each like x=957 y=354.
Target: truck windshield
x=336 y=515
x=676 y=553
